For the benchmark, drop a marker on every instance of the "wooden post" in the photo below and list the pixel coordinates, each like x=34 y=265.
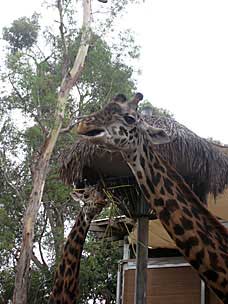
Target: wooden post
x=126 y=251
x=141 y=260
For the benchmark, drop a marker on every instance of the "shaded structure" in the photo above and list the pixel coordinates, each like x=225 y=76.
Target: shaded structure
x=112 y=229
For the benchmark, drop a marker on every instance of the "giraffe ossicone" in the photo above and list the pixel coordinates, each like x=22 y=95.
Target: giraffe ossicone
x=201 y=238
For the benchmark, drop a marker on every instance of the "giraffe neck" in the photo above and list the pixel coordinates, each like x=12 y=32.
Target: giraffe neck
x=66 y=282
x=200 y=237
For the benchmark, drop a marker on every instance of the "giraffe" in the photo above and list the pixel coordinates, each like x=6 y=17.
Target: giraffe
x=199 y=236
x=66 y=281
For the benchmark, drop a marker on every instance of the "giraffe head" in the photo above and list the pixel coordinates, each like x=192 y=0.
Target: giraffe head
x=119 y=126
x=92 y=198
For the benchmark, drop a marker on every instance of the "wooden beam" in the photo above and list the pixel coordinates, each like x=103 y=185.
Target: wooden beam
x=141 y=260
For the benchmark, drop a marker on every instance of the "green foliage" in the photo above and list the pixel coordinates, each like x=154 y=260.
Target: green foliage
x=156 y=111
x=33 y=137
x=6 y=233
x=6 y=284
x=214 y=141
x=22 y=34
x=99 y=270
x=11 y=210
x=34 y=87
x=104 y=74
x=40 y=284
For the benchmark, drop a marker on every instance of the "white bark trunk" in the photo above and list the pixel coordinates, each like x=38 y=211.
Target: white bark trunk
x=41 y=169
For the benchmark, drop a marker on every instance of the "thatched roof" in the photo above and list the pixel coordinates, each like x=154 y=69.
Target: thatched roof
x=201 y=163
x=86 y=162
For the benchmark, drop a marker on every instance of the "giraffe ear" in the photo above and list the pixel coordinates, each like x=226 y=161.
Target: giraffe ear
x=158 y=136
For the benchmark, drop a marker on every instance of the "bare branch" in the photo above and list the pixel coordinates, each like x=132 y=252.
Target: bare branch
x=62 y=34
x=15 y=89
x=71 y=125
x=108 y=95
x=85 y=40
x=53 y=228
x=11 y=185
x=73 y=122
x=37 y=262
x=43 y=128
x=34 y=57
x=41 y=236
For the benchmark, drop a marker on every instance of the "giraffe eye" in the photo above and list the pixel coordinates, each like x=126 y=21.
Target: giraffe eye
x=129 y=119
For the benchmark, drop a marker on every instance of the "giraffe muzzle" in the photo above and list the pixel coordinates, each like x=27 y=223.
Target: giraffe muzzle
x=89 y=131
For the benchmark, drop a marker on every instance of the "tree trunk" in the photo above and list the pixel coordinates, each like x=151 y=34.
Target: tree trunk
x=41 y=168
x=57 y=230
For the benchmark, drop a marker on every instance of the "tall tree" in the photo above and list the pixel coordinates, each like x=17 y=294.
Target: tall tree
x=42 y=162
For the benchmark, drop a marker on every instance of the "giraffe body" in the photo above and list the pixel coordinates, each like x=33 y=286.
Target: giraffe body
x=66 y=281
x=201 y=238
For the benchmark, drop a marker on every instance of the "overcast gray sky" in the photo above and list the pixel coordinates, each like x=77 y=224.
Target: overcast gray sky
x=184 y=57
